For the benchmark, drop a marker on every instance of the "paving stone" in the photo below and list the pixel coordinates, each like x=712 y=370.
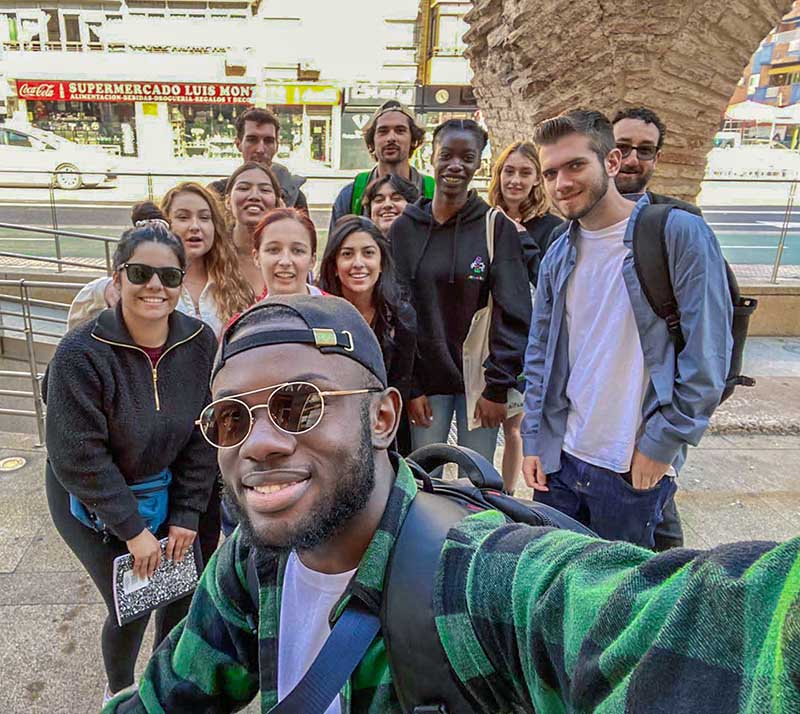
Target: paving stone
x=48 y=588
x=733 y=487
x=11 y=552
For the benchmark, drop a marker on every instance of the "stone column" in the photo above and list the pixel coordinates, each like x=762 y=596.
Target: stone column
x=536 y=58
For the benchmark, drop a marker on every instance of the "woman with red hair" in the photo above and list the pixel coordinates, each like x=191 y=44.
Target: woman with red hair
x=285 y=252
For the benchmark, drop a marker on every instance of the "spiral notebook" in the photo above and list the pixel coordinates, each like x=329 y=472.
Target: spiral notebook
x=135 y=597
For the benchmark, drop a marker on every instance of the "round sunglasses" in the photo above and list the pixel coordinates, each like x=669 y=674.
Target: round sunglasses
x=293 y=407
x=141 y=274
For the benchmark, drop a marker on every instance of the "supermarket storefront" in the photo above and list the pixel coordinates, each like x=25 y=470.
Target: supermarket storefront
x=139 y=118
x=310 y=117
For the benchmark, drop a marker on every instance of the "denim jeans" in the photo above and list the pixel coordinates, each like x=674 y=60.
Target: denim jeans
x=606 y=502
x=442 y=406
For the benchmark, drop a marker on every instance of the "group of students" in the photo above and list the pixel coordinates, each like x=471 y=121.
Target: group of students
x=419 y=260
x=129 y=379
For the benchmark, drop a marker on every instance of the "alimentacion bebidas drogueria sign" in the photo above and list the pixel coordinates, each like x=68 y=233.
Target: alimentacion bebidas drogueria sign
x=182 y=92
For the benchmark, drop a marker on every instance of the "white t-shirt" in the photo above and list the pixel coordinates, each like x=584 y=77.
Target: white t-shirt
x=608 y=378
x=306 y=602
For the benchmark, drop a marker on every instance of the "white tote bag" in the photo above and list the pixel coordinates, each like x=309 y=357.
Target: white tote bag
x=475 y=350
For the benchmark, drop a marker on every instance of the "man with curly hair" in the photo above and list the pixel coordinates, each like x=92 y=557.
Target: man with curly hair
x=392 y=136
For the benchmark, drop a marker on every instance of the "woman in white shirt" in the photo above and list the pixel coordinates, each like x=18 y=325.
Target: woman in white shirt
x=213 y=289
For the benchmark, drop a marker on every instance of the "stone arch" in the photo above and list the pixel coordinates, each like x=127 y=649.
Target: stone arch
x=533 y=59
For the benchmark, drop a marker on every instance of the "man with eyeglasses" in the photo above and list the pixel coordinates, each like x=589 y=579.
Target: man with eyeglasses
x=639 y=134
x=529 y=619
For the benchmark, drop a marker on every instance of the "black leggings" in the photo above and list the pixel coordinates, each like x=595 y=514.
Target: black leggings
x=120 y=645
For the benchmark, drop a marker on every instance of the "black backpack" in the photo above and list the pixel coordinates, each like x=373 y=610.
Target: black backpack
x=652 y=268
x=421 y=673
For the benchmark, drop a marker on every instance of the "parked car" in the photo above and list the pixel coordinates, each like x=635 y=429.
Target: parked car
x=32 y=157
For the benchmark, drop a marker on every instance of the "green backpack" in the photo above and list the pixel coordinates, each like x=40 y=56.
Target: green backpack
x=362 y=180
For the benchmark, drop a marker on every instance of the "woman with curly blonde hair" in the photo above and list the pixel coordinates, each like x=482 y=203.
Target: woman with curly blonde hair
x=213 y=280
x=214 y=289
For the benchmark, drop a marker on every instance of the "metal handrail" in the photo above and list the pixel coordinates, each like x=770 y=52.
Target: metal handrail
x=29 y=329
x=57 y=234
x=50 y=231
x=58 y=260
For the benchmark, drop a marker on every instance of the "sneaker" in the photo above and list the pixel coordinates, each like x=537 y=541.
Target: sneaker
x=107 y=695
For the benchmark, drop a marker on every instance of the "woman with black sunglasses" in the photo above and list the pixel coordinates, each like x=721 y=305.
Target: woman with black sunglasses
x=123 y=392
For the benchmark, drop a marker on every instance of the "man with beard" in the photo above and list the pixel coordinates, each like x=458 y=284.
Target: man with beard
x=610 y=408
x=639 y=134
x=257 y=137
x=392 y=136
x=528 y=618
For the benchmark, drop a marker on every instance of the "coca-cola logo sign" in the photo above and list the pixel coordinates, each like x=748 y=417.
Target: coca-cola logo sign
x=37 y=90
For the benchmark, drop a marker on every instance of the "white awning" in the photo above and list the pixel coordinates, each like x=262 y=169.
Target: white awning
x=751 y=111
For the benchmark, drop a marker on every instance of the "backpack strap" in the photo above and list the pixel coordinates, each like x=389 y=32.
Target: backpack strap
x=342 y=652
x=652 y=265
x=428 y=186
x=659 y=198
x=421 y=672
x=359 y=184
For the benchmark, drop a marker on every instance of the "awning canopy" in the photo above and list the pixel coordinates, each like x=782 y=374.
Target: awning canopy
x=751 y=111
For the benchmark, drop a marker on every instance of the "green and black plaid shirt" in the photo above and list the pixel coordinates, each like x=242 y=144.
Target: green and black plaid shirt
x=531 y=620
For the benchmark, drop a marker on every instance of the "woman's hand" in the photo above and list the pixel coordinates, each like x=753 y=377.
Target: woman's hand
x=419 y=412
x=179 y=542
x=489 y=414
x=146 y=552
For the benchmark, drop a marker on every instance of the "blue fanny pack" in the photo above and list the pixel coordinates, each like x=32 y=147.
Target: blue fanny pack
x=152 y=496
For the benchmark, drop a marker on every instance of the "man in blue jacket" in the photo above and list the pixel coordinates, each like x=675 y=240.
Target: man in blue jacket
x=609 y=406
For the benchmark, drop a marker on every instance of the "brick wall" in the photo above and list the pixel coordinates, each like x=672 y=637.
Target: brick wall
x=535 y=58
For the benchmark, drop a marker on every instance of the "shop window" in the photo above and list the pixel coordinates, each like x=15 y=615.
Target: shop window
x=320 y=130
x=206 y=130
x=291 y=135
x=104 y=125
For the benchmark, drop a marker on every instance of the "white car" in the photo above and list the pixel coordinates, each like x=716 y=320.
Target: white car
x=32 y=157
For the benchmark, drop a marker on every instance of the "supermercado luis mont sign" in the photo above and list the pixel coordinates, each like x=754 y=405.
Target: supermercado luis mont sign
x=183 y=92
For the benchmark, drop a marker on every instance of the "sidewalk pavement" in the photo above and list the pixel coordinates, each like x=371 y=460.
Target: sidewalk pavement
x=773 y=405
x=734 y=487
x=740 y=483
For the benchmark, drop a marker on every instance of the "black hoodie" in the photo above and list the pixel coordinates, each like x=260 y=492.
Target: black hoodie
x=446 y=268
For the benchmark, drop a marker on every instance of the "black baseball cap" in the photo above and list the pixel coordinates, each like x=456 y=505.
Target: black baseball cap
x=333 y=326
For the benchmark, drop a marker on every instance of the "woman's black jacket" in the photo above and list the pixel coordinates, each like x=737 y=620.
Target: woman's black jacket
x=399 y=347
x=114 y=419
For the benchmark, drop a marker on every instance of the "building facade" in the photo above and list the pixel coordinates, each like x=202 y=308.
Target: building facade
x=773 y=74
x=166 y=79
